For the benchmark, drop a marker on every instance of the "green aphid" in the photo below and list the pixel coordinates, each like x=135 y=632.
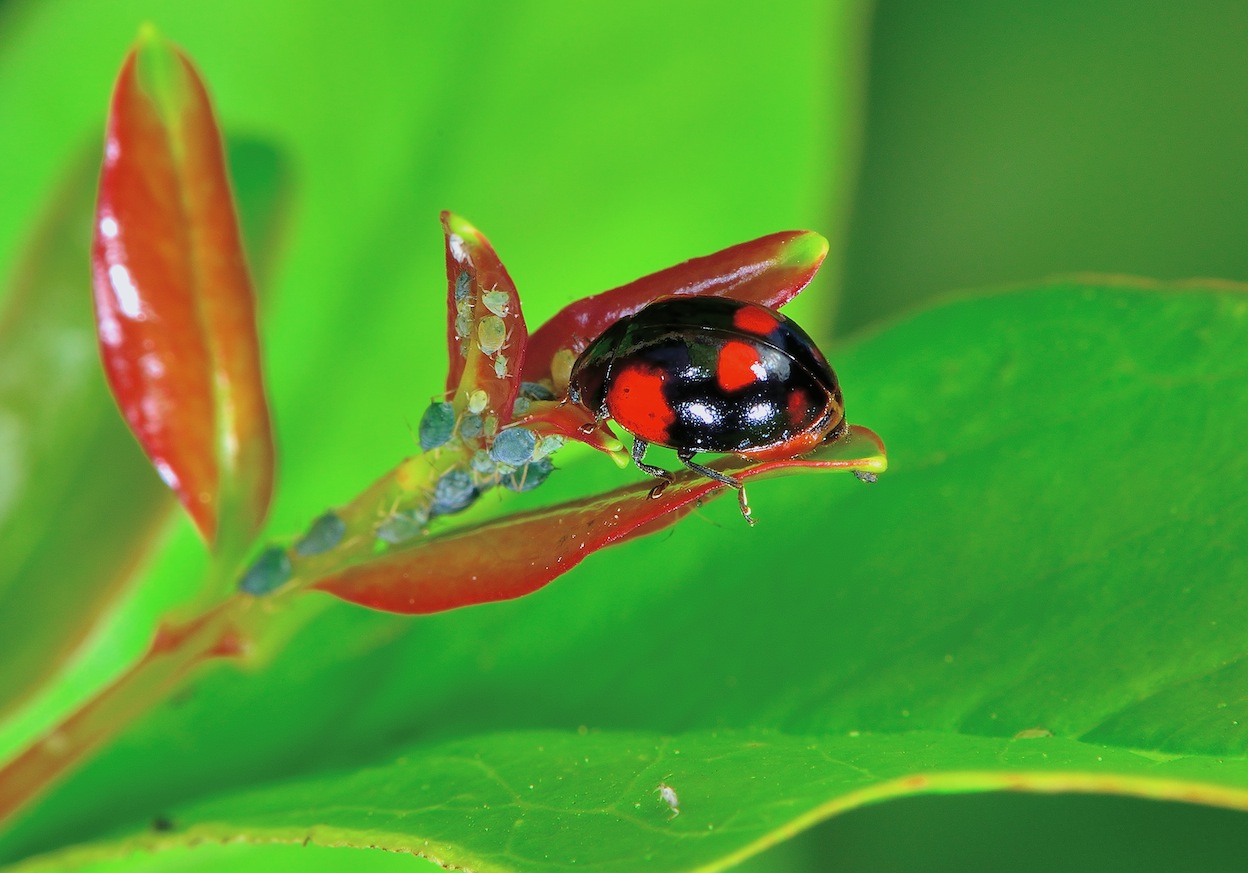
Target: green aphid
x=497 y=302
x=491 y=334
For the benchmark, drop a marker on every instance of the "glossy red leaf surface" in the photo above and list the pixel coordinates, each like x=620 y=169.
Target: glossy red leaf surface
x=485 y=330
x=517 y=555
x=173 y=297
x=770 y=270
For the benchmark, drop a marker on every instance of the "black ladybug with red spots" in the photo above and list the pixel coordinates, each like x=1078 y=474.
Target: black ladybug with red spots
x=711 y=374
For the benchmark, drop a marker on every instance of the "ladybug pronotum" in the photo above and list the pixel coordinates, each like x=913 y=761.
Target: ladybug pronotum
x=711 y=374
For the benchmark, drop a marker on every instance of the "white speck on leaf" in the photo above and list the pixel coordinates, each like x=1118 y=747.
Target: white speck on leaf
x=668 y=795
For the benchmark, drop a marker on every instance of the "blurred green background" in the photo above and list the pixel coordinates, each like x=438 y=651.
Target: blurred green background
x=1010 y=141
x=940 y=146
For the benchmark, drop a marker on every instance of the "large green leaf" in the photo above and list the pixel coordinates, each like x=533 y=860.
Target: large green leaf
x=56 y=422
x=1043 y=593
x=548 y=801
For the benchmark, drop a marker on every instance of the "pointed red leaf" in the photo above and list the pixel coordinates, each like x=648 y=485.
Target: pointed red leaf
x=174 y=303
x=486 y=334
x=770 y=270
x=514 y=556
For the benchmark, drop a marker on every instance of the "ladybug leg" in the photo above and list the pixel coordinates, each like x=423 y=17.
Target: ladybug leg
x=686 y=458
x=639 y=452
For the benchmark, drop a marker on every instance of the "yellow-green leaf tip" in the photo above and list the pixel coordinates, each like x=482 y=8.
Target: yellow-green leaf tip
x=457 y=224
x=806 y=249
x=161 y=73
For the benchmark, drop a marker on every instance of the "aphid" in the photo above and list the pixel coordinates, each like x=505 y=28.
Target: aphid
x=496 y=301
x=463 y=323
x=668 y=795
x=267 y=573
x=491 y=334
x=324 y=534
x=477 y=401
x=710 y=374
x=401 y=525
x=437 y=426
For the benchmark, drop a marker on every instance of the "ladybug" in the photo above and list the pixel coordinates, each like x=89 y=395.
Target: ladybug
x=710 y=374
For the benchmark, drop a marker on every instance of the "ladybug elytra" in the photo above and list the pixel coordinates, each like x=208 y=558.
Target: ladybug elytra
x=710 y=374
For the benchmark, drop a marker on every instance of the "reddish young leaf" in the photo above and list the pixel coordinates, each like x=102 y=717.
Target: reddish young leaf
x=770 y=270
x=485 y=331
x=173 y=298
x=514 y=556
x=574 y=422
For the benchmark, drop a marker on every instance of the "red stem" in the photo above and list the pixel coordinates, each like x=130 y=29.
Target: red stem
x=173 y=654
x=220 y=632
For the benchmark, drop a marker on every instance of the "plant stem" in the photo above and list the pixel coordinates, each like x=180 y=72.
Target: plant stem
x=175 y=652
x=222 y=631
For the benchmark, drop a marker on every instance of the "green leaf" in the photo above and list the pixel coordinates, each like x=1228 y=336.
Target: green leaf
x=57 y=425
x=537 y=801
x=244 y=858
x=1042 y=594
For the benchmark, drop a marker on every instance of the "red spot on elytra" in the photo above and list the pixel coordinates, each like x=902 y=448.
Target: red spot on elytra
x=804 y=437
x=636 y=402
x=738 y=366
x=799 y=407
x=755 y=320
